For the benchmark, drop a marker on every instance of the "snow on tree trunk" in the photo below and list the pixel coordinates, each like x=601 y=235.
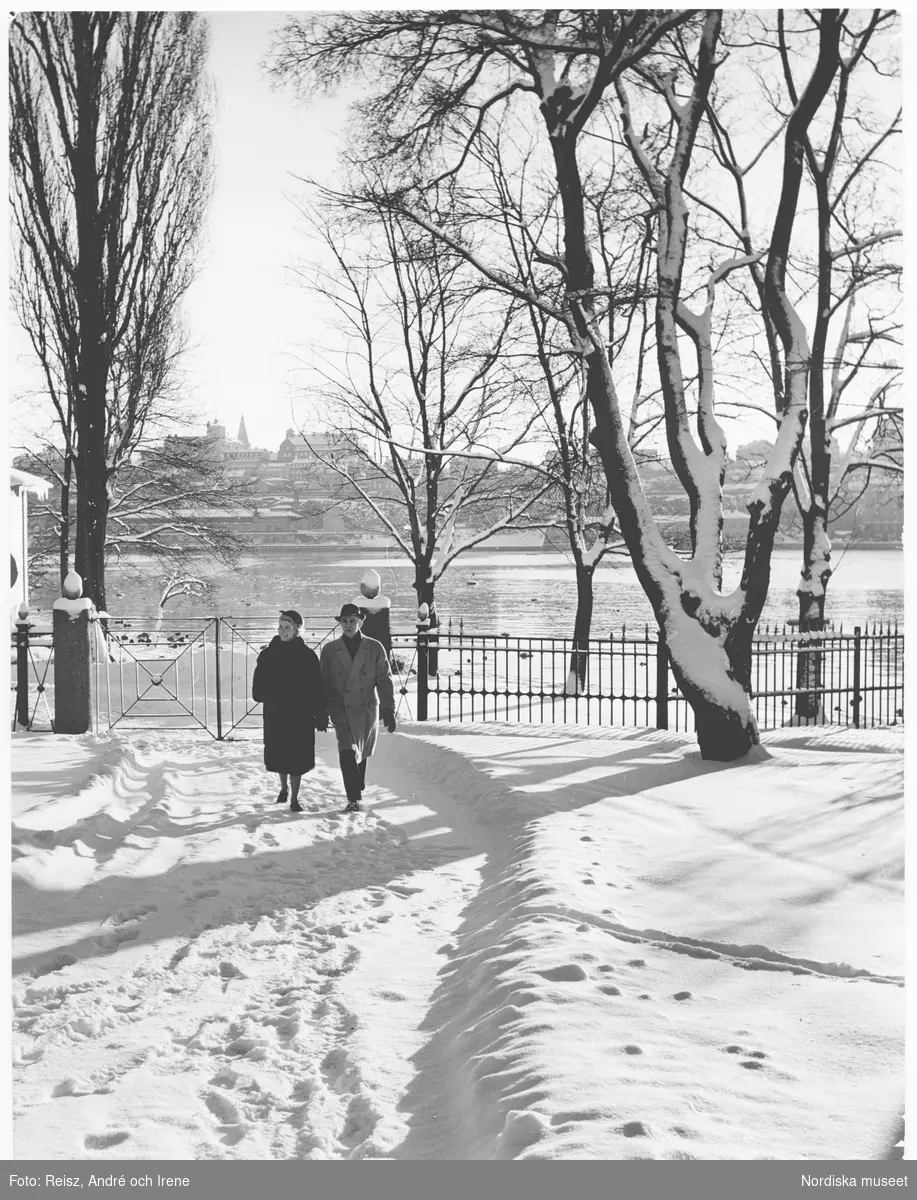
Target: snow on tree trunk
x=708 y=679
x=811 y=593
x=426 y=595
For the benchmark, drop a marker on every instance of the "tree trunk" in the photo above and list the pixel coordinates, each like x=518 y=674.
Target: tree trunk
x=713 y=678
x=813 y=583
x=582 y=627
x=425 y=595
x=89 y=411
x=64 y=539
x=91 y=524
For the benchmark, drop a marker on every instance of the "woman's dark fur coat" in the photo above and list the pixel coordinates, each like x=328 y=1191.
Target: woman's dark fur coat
x=288 y=683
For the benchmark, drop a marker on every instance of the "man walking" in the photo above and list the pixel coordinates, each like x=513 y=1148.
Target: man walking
x=354 y=669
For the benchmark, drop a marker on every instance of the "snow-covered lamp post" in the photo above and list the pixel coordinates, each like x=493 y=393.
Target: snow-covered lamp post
x=423 y=682
x=23 y=625
x=73 y=658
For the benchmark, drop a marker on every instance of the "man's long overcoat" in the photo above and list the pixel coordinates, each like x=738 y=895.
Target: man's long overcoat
x=351 y=685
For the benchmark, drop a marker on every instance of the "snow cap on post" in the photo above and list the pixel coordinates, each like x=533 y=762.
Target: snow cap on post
x=73 y=586
x=371 y=584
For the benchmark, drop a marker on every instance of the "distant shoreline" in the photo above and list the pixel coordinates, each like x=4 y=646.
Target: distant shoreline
x=284 y=550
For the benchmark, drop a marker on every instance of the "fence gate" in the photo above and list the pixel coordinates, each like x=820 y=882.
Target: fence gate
x=183 y=673
x=159 y=678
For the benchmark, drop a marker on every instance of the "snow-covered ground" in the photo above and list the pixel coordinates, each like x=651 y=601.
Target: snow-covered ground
x=536 y=943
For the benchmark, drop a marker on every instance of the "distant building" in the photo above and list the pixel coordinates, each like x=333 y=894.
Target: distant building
x=304 y=458
x=237 y=454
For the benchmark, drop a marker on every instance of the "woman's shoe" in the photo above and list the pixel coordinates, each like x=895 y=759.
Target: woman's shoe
x=295 y=806
x=283 y=797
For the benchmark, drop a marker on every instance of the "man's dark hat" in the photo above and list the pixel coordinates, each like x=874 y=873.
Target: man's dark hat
x=350 y=610
x=292 y=615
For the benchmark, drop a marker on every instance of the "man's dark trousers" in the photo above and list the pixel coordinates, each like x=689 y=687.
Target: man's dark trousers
x=354 y=774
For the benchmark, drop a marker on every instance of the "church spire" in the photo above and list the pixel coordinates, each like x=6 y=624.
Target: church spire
x=243 y=435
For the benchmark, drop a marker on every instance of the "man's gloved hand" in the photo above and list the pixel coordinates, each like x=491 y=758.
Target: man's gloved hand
x=388 y=719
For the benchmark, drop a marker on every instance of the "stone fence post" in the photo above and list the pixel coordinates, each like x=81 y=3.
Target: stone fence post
x=72 y=659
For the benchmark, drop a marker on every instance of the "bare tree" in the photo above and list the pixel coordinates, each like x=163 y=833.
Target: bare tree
x=171 y=502
x=845 y=287
x=424 y=393
x=623 y=261
x=440 y=77
x=110 y=151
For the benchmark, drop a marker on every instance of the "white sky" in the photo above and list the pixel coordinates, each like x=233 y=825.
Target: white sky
x=249 y=320
x=248 y=317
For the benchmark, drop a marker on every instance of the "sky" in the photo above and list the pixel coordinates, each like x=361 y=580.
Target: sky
x=251 y=324
x=200 y=973
x=248 y=316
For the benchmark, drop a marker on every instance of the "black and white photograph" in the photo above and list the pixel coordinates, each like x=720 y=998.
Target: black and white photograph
x=457 y=590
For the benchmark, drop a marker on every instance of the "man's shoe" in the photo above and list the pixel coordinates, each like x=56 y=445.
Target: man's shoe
x=283 y=797
x=295 y=806
x=352 y=807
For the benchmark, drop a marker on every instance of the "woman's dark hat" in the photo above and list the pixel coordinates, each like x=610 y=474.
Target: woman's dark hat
x=350 y=610
x=292 y=615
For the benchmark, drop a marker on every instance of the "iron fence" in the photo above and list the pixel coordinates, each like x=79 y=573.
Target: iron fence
x=626 y=679
x=187 y=673
x=32 y=677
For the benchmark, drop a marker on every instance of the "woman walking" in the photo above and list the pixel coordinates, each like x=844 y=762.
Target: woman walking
x=288 y=683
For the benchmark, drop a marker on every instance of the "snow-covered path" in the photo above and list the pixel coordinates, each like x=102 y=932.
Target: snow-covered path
x=526 y=947
x=235 y=925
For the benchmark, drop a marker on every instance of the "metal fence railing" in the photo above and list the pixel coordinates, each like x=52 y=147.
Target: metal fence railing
x=196 y=673
x=32 y=677
x=626 y=679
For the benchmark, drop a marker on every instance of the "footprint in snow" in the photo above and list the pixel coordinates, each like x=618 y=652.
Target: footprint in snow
x=103 y=1141
x=635 y=1129
x=567 y=973
x=752 y=1060
x=248 y=848
x=122 y=916
x=111 y=941
x=222 y=1108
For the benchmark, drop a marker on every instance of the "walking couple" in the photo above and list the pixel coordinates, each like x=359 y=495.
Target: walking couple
x=299 y=693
